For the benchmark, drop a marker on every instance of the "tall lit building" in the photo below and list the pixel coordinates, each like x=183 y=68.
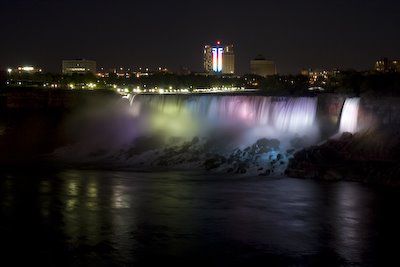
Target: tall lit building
x=79 y=66
x=261 y=66
x=228 y=64
x=208 y=59
x=219 y=59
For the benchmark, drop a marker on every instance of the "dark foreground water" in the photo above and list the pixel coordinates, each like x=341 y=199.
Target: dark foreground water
x=106 y=218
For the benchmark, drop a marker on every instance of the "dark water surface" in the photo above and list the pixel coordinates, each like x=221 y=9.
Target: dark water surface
x=105 y=218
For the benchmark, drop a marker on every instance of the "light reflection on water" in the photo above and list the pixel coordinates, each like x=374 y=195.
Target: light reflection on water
x=99 y=218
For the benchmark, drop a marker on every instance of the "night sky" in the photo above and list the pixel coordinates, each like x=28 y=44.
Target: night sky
x=295 y=34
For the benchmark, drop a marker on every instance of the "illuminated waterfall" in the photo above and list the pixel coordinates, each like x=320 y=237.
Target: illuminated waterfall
x=186 y=129
x=294 y=114
x=349 y=116
x=191 y=113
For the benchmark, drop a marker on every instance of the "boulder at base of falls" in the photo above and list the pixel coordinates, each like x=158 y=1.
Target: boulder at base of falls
x=214 y=162
x=262 y=158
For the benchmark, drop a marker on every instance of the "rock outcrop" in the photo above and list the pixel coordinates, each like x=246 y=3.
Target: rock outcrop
x=265 y=157
x=370 y=157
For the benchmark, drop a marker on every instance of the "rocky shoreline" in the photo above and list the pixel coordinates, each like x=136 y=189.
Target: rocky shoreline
x=367 y=157
x=265 y=157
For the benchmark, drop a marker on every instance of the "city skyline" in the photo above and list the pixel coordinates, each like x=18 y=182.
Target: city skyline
x=295 y=35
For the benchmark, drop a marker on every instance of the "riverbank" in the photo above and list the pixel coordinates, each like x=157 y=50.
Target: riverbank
x=368 y=157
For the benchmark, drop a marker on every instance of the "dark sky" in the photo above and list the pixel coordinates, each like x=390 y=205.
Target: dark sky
x=130 y=33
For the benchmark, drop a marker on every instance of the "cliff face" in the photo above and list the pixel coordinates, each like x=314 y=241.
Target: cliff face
x=35 y=121
x=37 y=99
x=328 y=113
x=381 y=113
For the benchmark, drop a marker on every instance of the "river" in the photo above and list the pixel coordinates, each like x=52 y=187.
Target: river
x=108 y=218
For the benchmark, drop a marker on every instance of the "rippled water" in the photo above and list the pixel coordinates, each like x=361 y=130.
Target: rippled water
x=104 y=218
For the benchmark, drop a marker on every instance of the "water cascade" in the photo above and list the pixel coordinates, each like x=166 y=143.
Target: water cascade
x=349 y=116
x=196 y=115
x=230 y=133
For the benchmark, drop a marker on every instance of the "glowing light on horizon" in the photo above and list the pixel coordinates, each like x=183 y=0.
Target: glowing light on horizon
x=92 y=85
x=27 y=68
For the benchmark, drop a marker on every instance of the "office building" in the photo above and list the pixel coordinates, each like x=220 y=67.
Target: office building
x=219 y=59
x=262 y=67
x=79 y=66
x=228 y=60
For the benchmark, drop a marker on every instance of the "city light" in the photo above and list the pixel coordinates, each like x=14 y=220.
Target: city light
x=26 y=68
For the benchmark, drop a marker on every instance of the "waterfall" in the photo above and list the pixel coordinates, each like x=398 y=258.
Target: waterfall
x=259 y=132
x=294 y=114
x=276 y=115
x=349 y=116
